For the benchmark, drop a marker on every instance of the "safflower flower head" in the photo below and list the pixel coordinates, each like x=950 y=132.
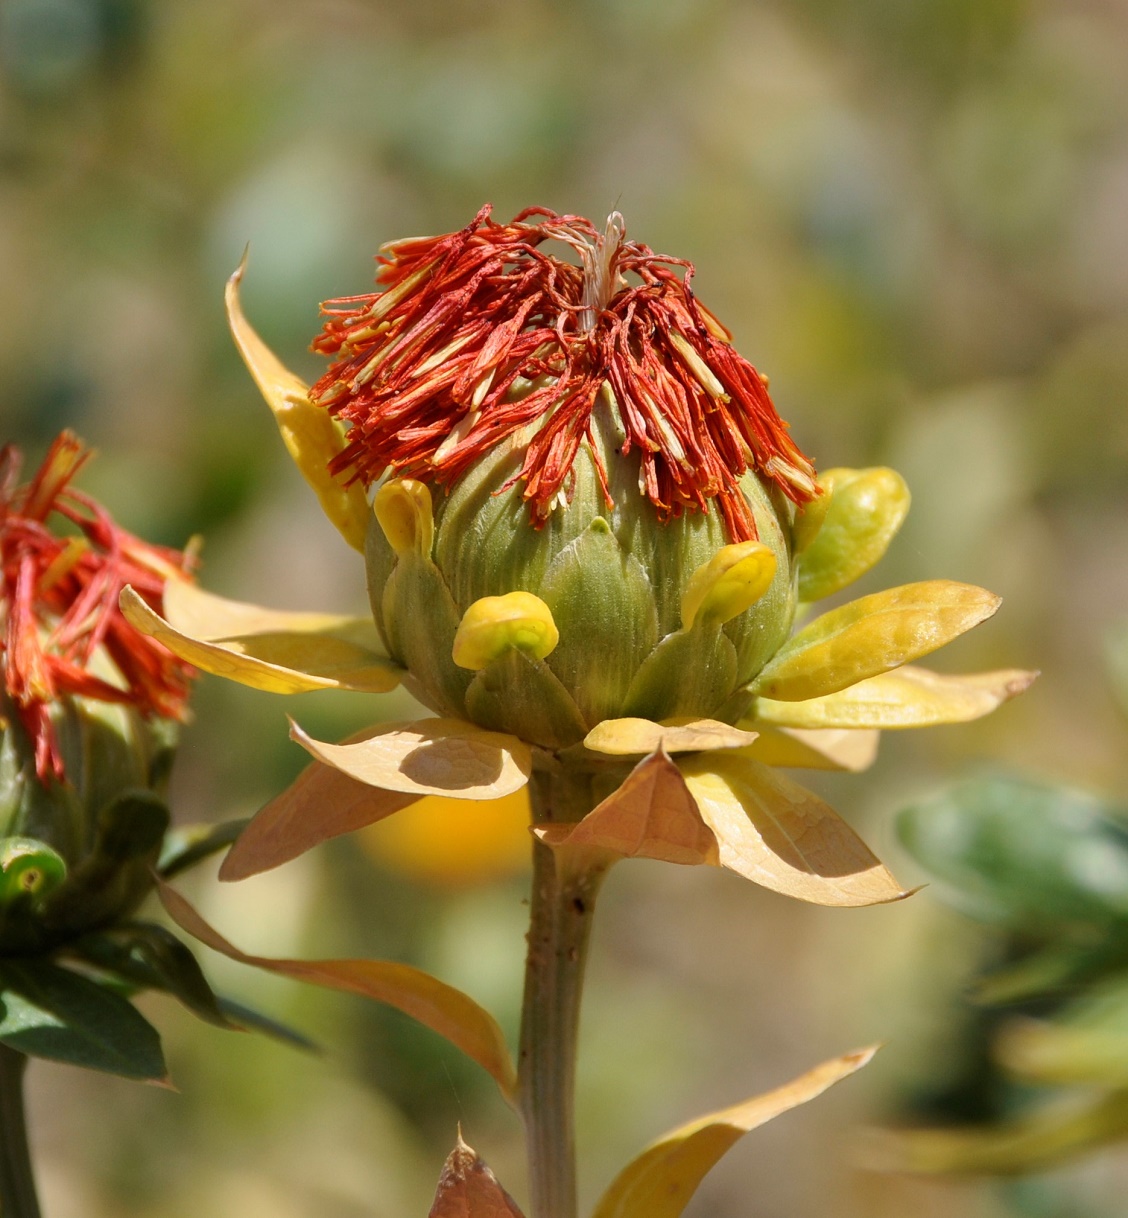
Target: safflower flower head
x=588 y=535
x=88 y=707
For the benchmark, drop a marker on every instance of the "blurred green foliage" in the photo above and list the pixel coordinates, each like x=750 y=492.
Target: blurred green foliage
x=911 y=216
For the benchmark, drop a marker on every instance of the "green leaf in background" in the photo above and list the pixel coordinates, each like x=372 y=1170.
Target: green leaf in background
x=1033 y=857
x=1086 y=1042
x=51 y=1012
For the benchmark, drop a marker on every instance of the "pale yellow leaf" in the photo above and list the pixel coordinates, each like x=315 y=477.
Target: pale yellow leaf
x=905 y=697
x=278 y=652
x=872 y=635
x=637 y=737
x=430 y=757
x=780 y=835
x=468 y=1189
x=661 y=1181
x=311 y=435
x=822 y=749
x=440 y=1007
x=652 y=815
x=321 y=803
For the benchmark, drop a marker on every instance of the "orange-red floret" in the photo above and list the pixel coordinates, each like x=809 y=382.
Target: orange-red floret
x=59 y=601
x=480 y=333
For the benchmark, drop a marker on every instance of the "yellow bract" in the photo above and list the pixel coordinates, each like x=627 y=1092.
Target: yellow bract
x=822 y=749
x=430 y=757
x=660 y=1182
x=859 y=515
x=635 y=737
x=403 y=510
x=495 y=624
x=872 y=635
x=311 y=435
x=282 y=653
x=733 y=580
x=905 y=697
x=780 y=835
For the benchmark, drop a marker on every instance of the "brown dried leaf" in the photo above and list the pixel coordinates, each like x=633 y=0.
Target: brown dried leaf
x=661 y=1181
x=436 y=1005
x=652 y=815
x=630 y=737
x=430 y=757
x=468 y=1189
x=321 y=803
x=780 y=835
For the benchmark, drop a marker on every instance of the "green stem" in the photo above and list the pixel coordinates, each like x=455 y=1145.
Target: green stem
x=565 y=884
x=17 y=1183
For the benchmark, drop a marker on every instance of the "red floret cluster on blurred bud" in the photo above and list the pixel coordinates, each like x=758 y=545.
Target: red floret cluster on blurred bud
x=63 y=562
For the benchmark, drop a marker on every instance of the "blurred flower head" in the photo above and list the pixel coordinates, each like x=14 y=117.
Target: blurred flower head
x=87 y=705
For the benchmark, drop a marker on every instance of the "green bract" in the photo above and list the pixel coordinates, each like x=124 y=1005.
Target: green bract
x=613 y=580
x=78 y=854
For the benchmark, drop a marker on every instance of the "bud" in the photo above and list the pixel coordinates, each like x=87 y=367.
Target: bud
x=583 y=437
x=87 y=708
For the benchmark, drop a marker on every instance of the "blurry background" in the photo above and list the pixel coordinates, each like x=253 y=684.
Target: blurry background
x=913 y=216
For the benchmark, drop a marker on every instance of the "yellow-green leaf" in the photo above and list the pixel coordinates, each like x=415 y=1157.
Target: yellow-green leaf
x=865 y=509
x=321 y=803
x=468 y=1189
x=430 y=757
x=438 y=1006
x=637 y=737
x=282 y=653
x=820 y=749
x=780 y=835
x=651 y=815
x=1034 y=1142
x=311 y=435
x=661 y=1181
x=905 y=697
x=871 y=636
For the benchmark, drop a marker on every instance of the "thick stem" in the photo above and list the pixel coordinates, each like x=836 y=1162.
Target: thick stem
x=17 y=1183
x=565 y=884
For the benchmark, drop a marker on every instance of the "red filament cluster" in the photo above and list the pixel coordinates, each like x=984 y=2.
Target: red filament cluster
x=59 y=601
x=480 y=333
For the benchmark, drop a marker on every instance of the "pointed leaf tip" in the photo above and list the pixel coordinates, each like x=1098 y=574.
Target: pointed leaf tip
x=661 y=1181
x=782 y=836
x=468 y=1189
x=907 y=697
x=438 y=1006
x=320 y=804
x=267 y=649
x=873 y=635
x=311 y=435
x=651 y=815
